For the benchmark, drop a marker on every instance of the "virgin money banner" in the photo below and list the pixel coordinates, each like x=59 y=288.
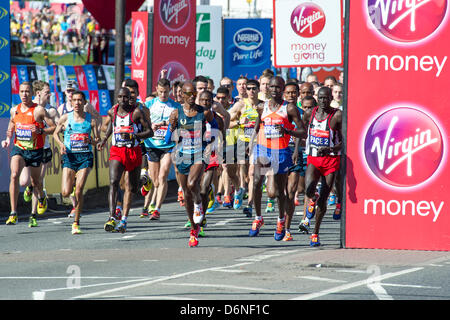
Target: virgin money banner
x=209 y=42
x=174 y=39
x=140 y=62
x=308 y=33
x=398 y=124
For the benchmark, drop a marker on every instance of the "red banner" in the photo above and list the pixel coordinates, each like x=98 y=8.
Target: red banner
x=398 y=123
x=139 y=51
x=174 y=39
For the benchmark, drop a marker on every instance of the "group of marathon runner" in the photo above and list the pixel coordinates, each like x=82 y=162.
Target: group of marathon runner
x=280 y=136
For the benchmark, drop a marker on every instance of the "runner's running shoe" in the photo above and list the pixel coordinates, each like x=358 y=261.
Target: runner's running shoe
x=12 y=219
x=71 y=213
x=201 y=233
x=42 y=206
x=76 y=228
x=122 y=227
x=303 y=227
x=280 y=231
x=144 y=213
x=296 y=202
x=110 y=225
x=210 y=198
x=311 y=209
x=337 y=212
x=27 y=194
x=238 y=199
x=198 y=215
x=187 y=224
x=32 y=222
x=219 y=199
x=180 y=198
x=227 y=202
x=193 y=237
x=270 y=205
x=146 y=188
x=248 y=211
x=331 y=199
x=118 y=213
x=155 y=215
x=212 y=208
x=256 y=226
x=314 y=240
x=288 y=236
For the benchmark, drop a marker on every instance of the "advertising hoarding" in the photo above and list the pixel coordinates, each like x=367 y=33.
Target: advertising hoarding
x=247 y=47
x=398 y=123
x=174 y=39
x=209 y=43
x=308 y=33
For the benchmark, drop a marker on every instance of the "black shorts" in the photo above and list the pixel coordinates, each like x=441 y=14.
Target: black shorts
x=33 y=158
x=47 y=156
x=155 y=154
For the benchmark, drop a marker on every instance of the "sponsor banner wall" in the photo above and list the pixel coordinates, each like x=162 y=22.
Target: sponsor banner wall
x=209 y=43
x=174 y=39
x=247 y=47
x=398 y=125
x=97 y=82
x=308 y=33
x=5 y=59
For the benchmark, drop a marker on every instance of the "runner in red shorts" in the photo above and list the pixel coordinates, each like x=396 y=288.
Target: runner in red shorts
x=125 y=153
x=323 y=147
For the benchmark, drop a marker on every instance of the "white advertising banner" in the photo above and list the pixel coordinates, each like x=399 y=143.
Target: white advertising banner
x=209 y=43
x=308 y=33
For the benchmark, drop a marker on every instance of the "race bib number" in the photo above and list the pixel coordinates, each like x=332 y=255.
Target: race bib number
x=319 y=138
x=123 y=136
x=160 y=133
x=23 y=132
x=79 y=142
x=273 y=131
x=249 y=128
x=192 y=141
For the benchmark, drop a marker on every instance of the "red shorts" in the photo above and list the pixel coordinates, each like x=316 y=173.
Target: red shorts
x=325 y=165
x=131 y=158
x=213 y=161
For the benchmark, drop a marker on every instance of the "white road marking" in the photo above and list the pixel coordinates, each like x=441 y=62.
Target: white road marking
x=353 y=285
x=321 y=279
x=150 y=282
x=222 y=286
x=409 y=286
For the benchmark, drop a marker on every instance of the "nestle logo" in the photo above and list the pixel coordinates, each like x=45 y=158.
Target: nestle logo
x=248 y=39
x=403 y=147
x=407 y=21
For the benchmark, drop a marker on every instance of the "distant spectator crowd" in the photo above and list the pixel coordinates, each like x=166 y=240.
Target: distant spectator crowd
x=55 y=33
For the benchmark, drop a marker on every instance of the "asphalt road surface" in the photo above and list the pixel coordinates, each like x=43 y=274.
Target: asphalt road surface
x=152 y=261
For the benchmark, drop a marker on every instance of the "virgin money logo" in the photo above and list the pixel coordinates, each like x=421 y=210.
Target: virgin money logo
x=174 y=13
x=139 y=44
x=409 y=20
x=308 y=20
x=176 y=71
x=403 y=147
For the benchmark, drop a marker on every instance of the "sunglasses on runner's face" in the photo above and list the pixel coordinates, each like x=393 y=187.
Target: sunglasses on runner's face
x=190 y=94
x=252 y=88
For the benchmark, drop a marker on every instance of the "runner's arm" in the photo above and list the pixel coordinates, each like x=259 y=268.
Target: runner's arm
x=218 y=107
x=58 y=130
